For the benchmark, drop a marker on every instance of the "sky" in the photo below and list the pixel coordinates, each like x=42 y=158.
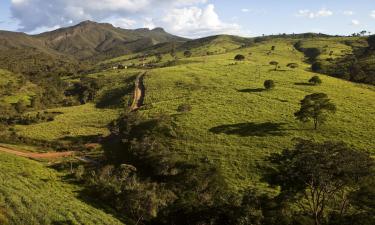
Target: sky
x=195 y=18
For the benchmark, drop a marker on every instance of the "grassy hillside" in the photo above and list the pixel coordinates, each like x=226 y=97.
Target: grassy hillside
x=235 y=123
x=32 y=194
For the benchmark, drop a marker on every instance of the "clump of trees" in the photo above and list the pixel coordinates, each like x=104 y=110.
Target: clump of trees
x=315 y=80
x=269 y=84
x=239 y=57
x=315 y=107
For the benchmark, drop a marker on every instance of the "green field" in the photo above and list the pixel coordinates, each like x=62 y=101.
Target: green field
x=236 y=124
x=77 y=121
x=32 y=194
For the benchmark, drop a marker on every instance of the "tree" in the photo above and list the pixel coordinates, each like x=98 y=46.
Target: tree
x=292 y=65
x=315 y=107
x=315 y=80
x=269 y=84
x=273 y=48
x=274 y=63
x=371 y=41
x=187 y=54
x=239 y=57
x=20 y=106
x=319 y=177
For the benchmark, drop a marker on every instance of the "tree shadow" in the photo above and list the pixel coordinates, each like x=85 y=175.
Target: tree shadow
x=303 y=84
x=251 y=90
x=82 y=139
x=251 y=129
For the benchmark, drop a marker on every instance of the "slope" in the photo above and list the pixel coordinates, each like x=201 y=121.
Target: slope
x=235 y=124
x=32 y=194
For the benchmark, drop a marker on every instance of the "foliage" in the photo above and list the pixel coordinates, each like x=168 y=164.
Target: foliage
x=239 y=57
x=269 y=84
x=315 y=80
x=274 y=63
x=319 y=176
x=187 y=54
x=315 y=107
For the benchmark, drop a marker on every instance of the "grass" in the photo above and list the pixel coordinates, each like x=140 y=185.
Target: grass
x=32 y=194
x=235 y=124
x=77 y=121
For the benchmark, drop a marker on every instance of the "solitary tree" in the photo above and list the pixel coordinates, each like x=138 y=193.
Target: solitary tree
x=239 y=57
x=269 y=84
x=315 y=80
x=274 y=63
x=319 y=177
x=315 y=107
x=273 y=48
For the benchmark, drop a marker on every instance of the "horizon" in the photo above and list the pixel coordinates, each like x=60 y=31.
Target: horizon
x=193 y=18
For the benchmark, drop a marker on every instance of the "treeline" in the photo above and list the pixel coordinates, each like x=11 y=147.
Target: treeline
x=146 y=182
x=356 y=67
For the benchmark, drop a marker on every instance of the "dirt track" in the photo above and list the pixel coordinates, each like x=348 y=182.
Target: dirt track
x=48 y=155
x=139 y=92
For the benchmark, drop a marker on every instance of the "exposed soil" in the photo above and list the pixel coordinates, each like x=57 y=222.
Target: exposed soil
x=139 y=92
x=31 y=155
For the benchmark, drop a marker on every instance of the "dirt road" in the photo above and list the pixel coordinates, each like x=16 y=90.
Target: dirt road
x=139 y=92
x=31 y=155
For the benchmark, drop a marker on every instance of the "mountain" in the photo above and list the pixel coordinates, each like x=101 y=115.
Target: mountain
x=91 y=39
x=20 y=52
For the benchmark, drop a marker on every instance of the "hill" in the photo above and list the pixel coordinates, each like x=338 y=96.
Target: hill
x=31 y=194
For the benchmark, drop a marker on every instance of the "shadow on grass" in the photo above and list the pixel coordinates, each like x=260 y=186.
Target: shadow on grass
x=303 y=84
x=251 y=129
x=252 y=90
x=82 y=139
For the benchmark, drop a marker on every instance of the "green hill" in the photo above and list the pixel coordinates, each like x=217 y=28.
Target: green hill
x=31 y=194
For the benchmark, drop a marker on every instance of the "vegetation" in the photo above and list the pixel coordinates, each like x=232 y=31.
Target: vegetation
x=239 y=57
x=269 y=84
x=315 y=80
x=193 y=154
x=315 y=107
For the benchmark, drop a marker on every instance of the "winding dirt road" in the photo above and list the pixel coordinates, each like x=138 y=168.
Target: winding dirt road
x=31 y=155
x=139 y=92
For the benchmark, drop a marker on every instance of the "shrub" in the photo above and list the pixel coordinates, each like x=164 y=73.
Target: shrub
x=317 y=67
x=273 y=48
x=269 y=84
x=292 y=65
x=315 y=80
x=184 y=108
x=274 y=63
x=239 y=57
x=187 y=54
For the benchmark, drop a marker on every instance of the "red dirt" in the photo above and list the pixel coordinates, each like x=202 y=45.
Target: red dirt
x=48 y=155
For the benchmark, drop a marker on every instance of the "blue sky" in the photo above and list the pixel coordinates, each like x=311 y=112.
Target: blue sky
x=195 y=18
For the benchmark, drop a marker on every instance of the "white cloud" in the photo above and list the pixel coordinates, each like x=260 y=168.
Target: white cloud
x=149 y=23
x=198 y=22
x=312 y=15
x=355 y=23
x=372 y=14
x=34 y=14
x=348 y=13
x=245 y=10
x=121 y=22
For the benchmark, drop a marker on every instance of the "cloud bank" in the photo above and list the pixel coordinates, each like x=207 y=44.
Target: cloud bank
x=189 y=18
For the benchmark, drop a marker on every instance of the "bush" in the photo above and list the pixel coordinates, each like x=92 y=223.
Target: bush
x=239 y=57
x=317 y=67
x=184 y=108
x=269 y=84
x=187 y=54
x=315 y=80
x=292 y=65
